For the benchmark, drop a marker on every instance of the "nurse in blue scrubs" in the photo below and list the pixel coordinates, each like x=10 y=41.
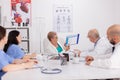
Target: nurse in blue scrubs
x=6 y=62
x=12 y=47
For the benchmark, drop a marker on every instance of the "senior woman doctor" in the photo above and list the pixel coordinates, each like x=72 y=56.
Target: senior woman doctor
x=54 y=46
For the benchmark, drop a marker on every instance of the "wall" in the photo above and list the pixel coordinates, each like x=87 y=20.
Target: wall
x=87 y=14
x=117 y=15
x=0 y=12
x=5 y=12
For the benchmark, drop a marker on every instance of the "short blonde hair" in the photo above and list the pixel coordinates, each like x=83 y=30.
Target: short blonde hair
x=51 y=35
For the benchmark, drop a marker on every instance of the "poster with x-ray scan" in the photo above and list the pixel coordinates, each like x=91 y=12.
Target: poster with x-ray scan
x=62 y=15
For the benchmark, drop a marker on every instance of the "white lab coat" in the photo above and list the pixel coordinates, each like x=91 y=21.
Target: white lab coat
x=112 y=62
x=50 y=48
x=103 y=47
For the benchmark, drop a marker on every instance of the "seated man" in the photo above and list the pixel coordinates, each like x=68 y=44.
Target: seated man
x=6 y=62
x=101 y=45
x=113 y=35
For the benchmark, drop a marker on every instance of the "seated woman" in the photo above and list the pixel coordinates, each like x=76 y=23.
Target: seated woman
x=54 y=46
x=12 y=47
x=7 y=63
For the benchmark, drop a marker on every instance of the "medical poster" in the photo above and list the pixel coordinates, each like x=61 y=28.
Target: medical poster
x=21 y=13
x=62 y=16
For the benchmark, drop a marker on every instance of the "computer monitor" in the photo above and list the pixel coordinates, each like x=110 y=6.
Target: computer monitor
x=72 y=39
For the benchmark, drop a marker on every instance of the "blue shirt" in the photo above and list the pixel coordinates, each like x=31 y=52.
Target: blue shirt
x=1 y=74
x=4 y=59
x=15 y=51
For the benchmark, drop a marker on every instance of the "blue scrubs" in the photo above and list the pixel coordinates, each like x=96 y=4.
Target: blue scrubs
x=15 y=51
x=1 y=74
x=4 y=60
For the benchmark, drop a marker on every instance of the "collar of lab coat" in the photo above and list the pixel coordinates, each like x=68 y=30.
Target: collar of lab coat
x=96 y=42
x=117 y=44
x=54 y=48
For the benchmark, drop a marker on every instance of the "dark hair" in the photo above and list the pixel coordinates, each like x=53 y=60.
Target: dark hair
x=2 y=32
x=12 y=39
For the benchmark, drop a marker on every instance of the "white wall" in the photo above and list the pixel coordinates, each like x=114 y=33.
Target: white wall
x=87 y=14
x=5 y=12
x=117 y=5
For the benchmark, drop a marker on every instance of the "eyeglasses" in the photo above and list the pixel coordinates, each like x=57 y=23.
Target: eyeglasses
x=56 y=37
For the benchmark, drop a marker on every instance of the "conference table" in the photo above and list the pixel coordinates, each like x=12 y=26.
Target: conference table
x=70 y=71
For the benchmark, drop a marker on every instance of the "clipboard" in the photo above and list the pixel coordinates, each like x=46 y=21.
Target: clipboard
x=72 y=39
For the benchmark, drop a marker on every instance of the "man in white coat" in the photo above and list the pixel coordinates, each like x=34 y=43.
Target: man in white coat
x=113 y=35
x=101 y=45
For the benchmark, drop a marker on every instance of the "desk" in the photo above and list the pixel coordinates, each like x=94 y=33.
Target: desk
x=69 y=72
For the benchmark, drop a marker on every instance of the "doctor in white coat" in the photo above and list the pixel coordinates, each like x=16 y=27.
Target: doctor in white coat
x=113 y=35
x=101 y=45
x=53 y=46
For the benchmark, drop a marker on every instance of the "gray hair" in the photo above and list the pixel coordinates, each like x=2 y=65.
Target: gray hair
x=93 y=33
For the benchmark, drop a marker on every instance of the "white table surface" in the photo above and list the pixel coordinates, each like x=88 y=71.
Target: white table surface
x=69 y=72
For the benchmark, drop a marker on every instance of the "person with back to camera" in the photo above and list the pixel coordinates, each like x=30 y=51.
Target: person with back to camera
x=8 y=63
x=12 y=47
x=101 y=45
